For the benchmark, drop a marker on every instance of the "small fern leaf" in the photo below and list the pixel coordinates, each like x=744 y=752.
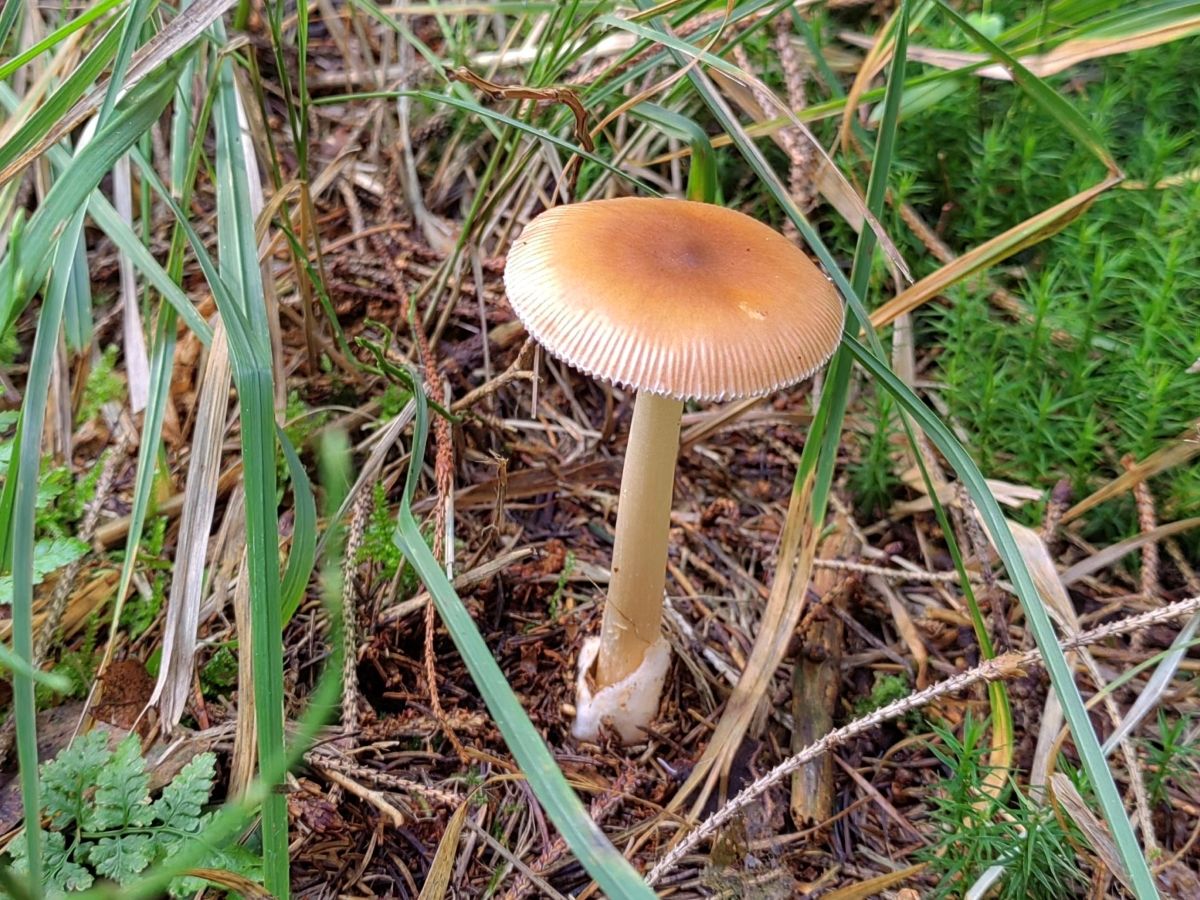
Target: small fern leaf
x=68 y=777
x=122 y=858
x=179 y=806
x=123 y=790
x=60 y=872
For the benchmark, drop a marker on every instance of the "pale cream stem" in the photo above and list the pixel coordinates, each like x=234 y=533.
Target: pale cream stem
x=633 y=613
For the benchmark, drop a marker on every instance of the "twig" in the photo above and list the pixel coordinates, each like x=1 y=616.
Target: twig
x=1005 y=666
x=330 y=762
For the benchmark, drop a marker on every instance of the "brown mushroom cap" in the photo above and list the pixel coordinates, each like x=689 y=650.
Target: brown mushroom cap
x=673 y=297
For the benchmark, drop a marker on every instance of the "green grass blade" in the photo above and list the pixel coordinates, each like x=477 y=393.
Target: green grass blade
x=54 y=681
x=124 y=238
x=8 y=19
x=23 y=477
x=77 y=324
x=702 y=176
x=603 y=862
x=245 y=321
x=162 y=358
x=1061 y=676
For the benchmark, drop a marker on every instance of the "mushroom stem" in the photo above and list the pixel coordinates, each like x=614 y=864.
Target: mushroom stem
x=633 y=613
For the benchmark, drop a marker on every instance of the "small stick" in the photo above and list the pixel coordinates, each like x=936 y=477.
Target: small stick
x=815 y=681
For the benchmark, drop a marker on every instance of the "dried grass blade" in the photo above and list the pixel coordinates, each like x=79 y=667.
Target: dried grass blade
x=1175 y=453
x=835 y=189
x=1032 y=231
x=442 y=867
x=1160 y=681
x=1068 y=797
x=1110 y=554
x=873 y=887
x=199 y=502
x=137 y=363
x=1066 y=55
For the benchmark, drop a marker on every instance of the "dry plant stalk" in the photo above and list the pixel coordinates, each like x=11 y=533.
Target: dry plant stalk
x=351 y=697
x=1007 y=666
x=816 y=678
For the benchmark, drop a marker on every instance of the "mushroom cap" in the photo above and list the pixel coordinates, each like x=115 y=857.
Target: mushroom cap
x=673 y=297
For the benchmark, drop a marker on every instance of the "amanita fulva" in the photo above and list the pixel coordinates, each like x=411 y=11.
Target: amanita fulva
x=679 y=301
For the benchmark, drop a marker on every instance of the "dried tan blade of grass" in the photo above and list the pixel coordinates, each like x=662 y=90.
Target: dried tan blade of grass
x=873 y=887
x=442 y=867
x=175 y=37
x=57 y=431
x=1070 y=802
x=907 y=628
x=1189 y=176
x=1175 y=453
x=1162 y=680
x=1102 y=559
x=1005 y=492
x=137 y=362
x=875 y=61
x=231 y=882
x=1064 y=56
x=1054 y=596
x=199 y=501
x=1032 y=231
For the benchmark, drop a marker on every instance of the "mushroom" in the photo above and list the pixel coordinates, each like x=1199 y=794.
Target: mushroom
x=676 y=300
